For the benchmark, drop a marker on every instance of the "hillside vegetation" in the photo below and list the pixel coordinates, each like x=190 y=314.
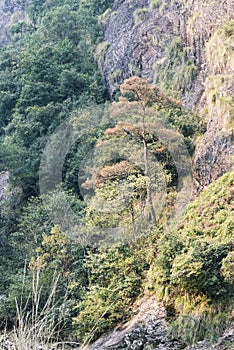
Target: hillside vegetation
x=90 y=218
x=194 y=266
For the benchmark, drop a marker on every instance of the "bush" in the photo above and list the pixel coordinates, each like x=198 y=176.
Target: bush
x=155 y=4
x=140 y=15
x=116 y=277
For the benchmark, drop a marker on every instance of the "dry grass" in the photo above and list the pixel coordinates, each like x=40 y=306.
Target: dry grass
x=38 y=328
x=219 y=50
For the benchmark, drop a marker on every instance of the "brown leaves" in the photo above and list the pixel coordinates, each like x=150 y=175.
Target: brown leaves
x=111 y=172
x=146 y=94
x=139 y=89
x=123 y=129
x=121 y=169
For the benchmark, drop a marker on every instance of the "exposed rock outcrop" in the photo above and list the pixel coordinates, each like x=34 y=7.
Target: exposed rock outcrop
x=139 y=32
x=148 y=330
x=214 y=153
x=137 y=41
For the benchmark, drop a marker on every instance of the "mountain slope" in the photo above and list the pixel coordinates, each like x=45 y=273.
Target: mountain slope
x=196 y=274
x=177 y=44
x=172 y=278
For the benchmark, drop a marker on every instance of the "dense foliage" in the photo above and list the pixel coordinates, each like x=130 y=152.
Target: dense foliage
x=48 y=74
x=193 y=271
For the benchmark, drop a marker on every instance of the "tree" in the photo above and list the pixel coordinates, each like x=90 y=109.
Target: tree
x=138 y=93
x=124 y=182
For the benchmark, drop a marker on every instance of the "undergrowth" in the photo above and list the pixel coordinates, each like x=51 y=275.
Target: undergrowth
x=177 y=72
x=194 y=266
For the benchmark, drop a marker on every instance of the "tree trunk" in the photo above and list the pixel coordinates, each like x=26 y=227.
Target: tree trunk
x=147 y=172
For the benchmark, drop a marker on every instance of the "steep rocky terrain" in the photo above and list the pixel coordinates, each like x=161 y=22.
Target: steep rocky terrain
x=137 y=38
x=148 y=330
x=135 y=44
x=139 y=32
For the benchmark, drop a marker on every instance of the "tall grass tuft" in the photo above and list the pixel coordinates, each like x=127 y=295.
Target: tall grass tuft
x=38 y=327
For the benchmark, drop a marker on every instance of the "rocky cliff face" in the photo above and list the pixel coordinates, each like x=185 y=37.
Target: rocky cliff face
x=147 y=330
x=139 y=32
x=138 y=35
x=137 y=40
x=214 y=153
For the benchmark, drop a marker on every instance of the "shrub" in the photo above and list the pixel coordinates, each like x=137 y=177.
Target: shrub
x=116 y=277
x=155 y=4
x=178 y=71
x=140 y=15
